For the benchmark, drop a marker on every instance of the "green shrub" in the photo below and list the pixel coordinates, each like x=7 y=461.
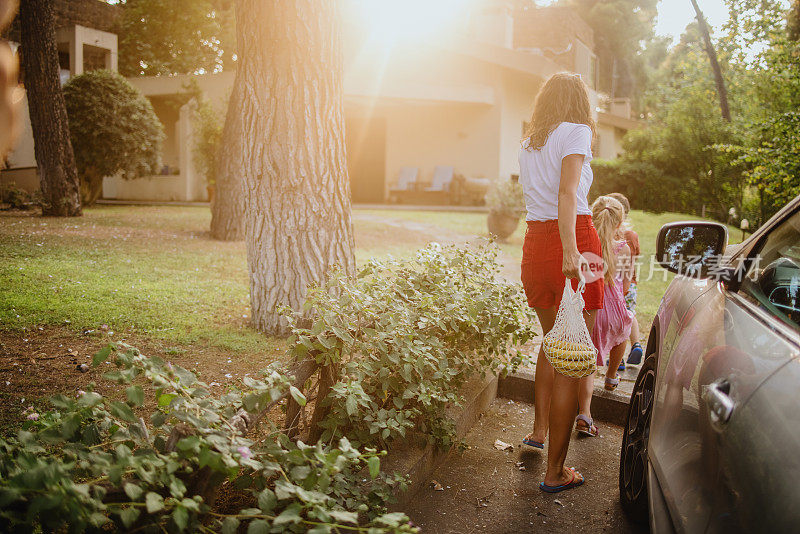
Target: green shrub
x=113 y=129
x=93 y=463
x=16 y=198
x=208 y=124
x=643 y=184
x=404 y=336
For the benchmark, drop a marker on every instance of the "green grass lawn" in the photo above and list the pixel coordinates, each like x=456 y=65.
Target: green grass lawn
x=154 y=271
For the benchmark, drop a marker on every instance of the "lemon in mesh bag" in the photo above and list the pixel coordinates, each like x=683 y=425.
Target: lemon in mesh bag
x=568 y=345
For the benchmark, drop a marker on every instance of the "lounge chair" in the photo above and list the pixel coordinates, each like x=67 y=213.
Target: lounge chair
x=442 y=178
x=406 y=179
x=406 y=184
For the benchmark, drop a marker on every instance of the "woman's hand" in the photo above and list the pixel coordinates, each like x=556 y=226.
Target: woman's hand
x=573 y=263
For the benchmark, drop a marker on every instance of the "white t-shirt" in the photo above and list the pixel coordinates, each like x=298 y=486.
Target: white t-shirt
x=540 y=170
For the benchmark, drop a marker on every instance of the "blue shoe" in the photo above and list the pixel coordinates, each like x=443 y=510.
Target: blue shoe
x=621 y=365
x=635 y=357
x=532 y=443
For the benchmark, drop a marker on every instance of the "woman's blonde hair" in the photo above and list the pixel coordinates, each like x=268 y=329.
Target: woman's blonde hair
x=607 y=216
x=563 y=98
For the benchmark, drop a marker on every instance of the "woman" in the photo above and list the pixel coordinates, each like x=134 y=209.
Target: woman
x=556 y=176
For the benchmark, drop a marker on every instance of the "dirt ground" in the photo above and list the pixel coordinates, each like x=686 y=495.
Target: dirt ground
x=40 y=362
x=485 y=490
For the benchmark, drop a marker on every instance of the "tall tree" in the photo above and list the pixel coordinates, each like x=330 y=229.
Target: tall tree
x=296 y=190
x=227 y=208
x=793 y=21
x=54 y=157
x=165 y=38
x=622 y=30
x=722 y=91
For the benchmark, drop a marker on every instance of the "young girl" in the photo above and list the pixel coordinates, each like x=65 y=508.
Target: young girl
x=555 y=175
x=612 y=326
x=632 y=238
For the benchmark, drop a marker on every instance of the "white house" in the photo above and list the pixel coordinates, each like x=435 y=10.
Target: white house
x=455 y=94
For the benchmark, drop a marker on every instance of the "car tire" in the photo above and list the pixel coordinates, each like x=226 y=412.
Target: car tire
x=633 y=463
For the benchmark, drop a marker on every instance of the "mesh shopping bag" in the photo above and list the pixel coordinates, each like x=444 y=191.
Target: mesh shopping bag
x=568 y=346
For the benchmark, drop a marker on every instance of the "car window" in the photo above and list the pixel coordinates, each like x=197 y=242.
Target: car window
x=773 y=280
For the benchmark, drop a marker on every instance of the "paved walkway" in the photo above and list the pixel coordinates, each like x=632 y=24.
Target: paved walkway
x=491 y=491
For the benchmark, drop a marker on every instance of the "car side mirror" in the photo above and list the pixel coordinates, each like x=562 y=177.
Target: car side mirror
x=691 y=248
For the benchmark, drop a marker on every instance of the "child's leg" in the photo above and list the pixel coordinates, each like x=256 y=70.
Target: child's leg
x=614 y=358
x=635 y=335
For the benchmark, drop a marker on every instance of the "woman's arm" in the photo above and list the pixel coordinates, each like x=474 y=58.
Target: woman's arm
x=567 y=213
x=626 y=267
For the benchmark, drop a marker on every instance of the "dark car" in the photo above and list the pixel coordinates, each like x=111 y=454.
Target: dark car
x=712 y=439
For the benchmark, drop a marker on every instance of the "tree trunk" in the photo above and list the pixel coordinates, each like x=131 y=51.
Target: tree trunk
x=722 y=92
x=56 y=162
x=227 y=208
x=296 y=189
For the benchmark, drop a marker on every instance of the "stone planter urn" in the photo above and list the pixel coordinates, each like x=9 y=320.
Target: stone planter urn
x=502 y=224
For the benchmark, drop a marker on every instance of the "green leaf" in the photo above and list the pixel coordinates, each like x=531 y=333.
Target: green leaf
x=90 y=399
x=165 y=399
x=180 y=516
x=258 y=526
x=267 y=500
x=123 y=411
x=102 y=355
x=290 y=515
x=135 y=395
x=129 y=516
x=230 y=525
x=351 y=404
x=133 y=491
x=158 y=419
x=374 y=464
x=297 y=395
x=154 y=502
x=344 y=516
x=188 y=443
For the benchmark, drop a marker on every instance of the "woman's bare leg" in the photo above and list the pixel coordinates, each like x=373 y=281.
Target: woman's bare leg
x=585 y=391
x=563 y=401
x=543 y=380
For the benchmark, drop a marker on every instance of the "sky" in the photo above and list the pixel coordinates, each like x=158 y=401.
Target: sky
x=674 y=15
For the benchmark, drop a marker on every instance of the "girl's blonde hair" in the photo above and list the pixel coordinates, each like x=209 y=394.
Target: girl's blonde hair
x=607 y=216
x=563 y=98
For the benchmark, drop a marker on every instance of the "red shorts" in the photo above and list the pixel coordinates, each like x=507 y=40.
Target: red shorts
x=542 y=262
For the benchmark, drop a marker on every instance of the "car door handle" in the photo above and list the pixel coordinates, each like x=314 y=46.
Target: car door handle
x=716 y=397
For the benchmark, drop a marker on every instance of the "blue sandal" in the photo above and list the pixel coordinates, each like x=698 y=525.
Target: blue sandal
x=635 y=356
x=532 y=443
x=574 y=482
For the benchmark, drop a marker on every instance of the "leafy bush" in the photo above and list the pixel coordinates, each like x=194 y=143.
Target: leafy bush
x=642 y=183
x=16 y=198
x=113 y=129
x=403 y=336
x=208 y=133
x=93 y=462
x=393 y=346
x=506 y=197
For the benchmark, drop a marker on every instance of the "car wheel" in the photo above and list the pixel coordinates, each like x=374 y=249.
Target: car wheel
x=633 y=462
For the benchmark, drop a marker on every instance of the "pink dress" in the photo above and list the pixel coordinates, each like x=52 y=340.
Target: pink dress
x=612 y=326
